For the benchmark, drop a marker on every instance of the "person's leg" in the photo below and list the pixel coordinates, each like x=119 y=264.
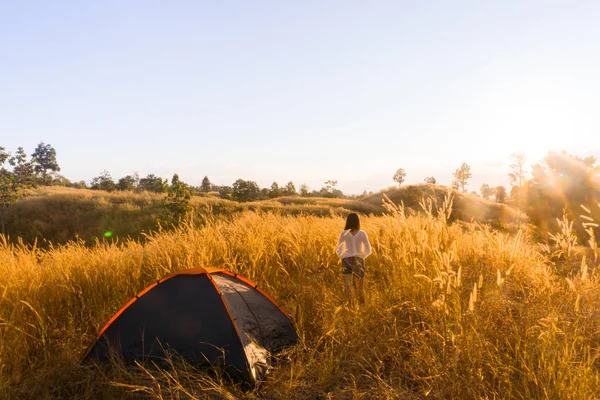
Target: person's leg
x=347 y=274
x=348 y=285
x=360 y=292
x=359 y=273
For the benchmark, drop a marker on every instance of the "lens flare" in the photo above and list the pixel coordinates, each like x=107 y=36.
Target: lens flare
x=108 y=234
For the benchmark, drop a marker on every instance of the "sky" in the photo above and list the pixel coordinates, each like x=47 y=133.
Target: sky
x=301 y=91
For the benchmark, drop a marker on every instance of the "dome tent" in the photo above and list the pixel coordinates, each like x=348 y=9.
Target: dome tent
x=203 y=315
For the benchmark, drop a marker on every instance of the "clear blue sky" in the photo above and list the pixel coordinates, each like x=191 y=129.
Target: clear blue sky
x=299 y=90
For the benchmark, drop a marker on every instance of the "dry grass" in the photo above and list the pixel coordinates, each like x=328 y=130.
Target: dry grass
x=61 y=214
x=452 y=311
x=466 y=207
x=58 y=214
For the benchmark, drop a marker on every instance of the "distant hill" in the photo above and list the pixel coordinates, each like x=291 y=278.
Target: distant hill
x=59 y=214
x=466 y=207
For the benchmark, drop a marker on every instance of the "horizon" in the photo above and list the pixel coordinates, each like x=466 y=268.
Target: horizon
x=319 y=185
x=305 y=93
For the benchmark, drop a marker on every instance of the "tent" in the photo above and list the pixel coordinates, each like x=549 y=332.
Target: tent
x=203 y=315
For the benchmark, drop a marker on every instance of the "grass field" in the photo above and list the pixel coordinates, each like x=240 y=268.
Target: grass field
x=452 y=310
x=59 y=214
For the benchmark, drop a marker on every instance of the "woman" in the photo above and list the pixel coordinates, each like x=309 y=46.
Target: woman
x=353 y=247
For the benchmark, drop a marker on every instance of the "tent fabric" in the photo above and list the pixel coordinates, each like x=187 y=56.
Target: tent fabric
x=205 y=316
x=263 y=328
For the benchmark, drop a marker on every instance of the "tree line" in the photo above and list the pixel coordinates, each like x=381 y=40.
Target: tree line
x=460 y=181
x=241 y=190
x=39 y=169
x=19 y=172
x=559 y=184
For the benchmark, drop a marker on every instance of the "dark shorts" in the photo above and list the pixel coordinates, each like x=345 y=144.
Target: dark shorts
x=353 y=265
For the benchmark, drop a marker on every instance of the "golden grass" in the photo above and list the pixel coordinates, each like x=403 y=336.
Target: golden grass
x=452 y=311
x=59 y=214
x=466 y=207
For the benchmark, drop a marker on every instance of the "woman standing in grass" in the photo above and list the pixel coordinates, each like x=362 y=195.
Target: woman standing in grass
x=353 y=247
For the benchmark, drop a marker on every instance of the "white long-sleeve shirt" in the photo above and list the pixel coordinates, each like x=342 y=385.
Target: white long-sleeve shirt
x=350 y=245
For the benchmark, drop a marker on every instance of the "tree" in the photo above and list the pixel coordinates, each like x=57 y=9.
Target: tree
x=275 y=192
x=224 y=191
x=517 y=176
x=304 y=190
x=562 y=183
x=127 y=183
x=337 y=194
x=265 y=193
x=500 y=194
x=517 y=180
x=4 y=155
x=329 y=190
x=206 y=186
x=77 y=185
x=153 y=183
x=13 y=183
x=518 y=194
x=399 y=176
x=22 y=169
x=430 y=180
x=245 y=190
x=178 y=198
x=9 y=192
x=103 y=182
x=290 y=189
x=58 y=179
x=540 y=176
x=462 y=175
x=486 y=191
x=570 y=173
x=44 y=159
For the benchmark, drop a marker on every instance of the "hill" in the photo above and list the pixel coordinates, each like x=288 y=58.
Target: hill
x=466 y=207
x=58 y=214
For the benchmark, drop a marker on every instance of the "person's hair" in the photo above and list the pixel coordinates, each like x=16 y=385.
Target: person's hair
x=352 y=222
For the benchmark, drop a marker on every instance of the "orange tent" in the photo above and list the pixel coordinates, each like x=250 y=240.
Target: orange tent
x=203 y=315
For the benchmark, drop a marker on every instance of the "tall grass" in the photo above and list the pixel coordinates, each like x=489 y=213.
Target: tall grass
x=451 y=311
x=58 y=214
